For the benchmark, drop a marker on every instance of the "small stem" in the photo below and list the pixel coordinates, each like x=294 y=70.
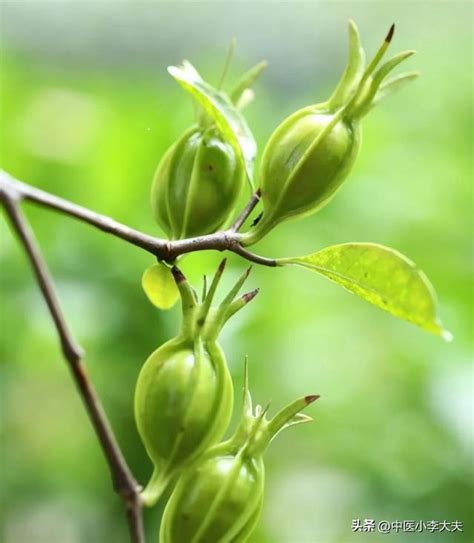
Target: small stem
x=123 y=481
x=252 y=257
x=246 y=211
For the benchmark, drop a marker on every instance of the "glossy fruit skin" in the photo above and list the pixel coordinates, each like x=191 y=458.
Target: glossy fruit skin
x=304 y=163
x=196 y=185
x=183 y=403
x=218 y=500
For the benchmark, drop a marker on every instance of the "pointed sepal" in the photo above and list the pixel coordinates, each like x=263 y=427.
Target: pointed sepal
x=353 y=72
x=391 y=86
x=289 y=416
x=200 y=318
x=247 y=81
x=254 y=432
x=365 y=95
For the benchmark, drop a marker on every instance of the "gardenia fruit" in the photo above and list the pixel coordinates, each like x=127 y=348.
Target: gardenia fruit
x=311 y=153
x=197 y=184
x=184 y=396
x=219 y=497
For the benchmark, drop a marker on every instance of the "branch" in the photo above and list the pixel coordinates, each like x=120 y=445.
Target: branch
x=123 y=481
x=164 y=250
x=22 y=191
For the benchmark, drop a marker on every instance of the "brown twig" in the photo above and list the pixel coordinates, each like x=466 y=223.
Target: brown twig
x=228 y=240
x=123 y=481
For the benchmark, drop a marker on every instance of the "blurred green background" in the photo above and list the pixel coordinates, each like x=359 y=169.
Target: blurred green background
x=87 y=111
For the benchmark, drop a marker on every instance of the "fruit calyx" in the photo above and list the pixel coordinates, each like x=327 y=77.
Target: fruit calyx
x=202 y=320
x=255 y=432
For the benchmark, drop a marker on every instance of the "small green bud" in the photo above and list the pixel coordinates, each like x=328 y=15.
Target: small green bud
x=312 y=152
x=184 y=396
x=219 y=497
x=197 y=184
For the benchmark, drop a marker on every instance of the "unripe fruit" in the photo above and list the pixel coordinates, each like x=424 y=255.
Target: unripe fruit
x=197 y=184
x=219 y=497
x=311 y=153
x=298 y=175
x=184 y=396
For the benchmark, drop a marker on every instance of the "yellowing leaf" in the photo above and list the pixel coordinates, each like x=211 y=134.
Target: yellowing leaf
x=159 y=286
x=381 y=276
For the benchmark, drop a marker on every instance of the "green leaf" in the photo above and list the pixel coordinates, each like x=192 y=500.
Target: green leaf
x=381 y=276
x=217 y=104
x=159 y=286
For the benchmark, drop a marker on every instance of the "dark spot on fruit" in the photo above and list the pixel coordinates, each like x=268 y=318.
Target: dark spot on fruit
x=210 y=167
x=366 y=275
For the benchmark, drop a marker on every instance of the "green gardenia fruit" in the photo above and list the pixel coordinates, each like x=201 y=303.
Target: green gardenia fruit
x=311 y=153
x=219 y=498
x=197 y=184
x=184 y=396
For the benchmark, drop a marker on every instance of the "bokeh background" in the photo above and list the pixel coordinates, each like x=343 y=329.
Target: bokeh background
x=87 y=110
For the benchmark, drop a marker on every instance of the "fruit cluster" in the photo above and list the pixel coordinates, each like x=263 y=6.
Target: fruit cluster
x=184 y=394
